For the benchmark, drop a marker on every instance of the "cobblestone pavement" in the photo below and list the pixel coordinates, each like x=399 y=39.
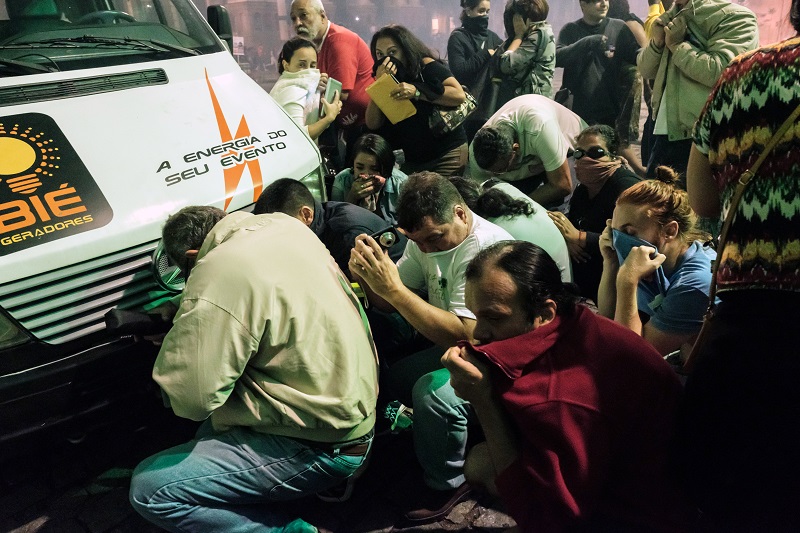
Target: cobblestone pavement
x=82 y=487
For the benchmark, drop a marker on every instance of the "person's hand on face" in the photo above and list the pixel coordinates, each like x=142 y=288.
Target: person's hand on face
x=607 y=246
x=386 y=66
x=362 y=187
x=520 y=26
x=639 y=265
x=468 y=376
x=372 y=264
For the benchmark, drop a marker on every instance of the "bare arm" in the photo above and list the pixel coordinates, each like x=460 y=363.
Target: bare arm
x=557 y=186
x=637 y=266
x=638 y=32
x=626 y=311
x=439 y=326
x=703 y=193
x=381 y=278
x=470 y=380
x=666 y=342
x=607 y=291
x=374 y=117
x=332 y=110
x=453 y=94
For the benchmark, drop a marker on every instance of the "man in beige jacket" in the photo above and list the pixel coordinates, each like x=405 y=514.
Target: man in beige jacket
x=283 y=371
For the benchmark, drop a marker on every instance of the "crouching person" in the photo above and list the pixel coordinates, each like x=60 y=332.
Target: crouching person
x=283 y=370
x=577 y=410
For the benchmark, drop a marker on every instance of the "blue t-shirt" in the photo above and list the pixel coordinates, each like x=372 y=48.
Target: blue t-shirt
x=681 y=309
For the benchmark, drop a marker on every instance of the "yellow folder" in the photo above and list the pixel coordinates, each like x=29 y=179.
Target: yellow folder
x=381 y=93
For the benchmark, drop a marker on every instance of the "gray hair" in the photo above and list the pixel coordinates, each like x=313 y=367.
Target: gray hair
x=316 y=4
x=187 y=229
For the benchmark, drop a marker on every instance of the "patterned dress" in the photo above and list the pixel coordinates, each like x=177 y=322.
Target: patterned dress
x=754 y=96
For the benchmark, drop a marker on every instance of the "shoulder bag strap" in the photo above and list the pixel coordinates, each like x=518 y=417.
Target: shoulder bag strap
x=744 y=180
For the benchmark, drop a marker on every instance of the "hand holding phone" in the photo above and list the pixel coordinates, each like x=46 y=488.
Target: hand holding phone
x=332 y=89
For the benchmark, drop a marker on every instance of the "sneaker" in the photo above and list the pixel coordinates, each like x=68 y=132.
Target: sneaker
x=435 y=505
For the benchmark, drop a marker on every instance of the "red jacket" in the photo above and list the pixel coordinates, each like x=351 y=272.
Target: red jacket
x=595 y=405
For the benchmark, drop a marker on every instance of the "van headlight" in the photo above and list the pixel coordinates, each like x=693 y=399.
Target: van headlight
x=315 y=181
x=10 y=334
x=168 y=275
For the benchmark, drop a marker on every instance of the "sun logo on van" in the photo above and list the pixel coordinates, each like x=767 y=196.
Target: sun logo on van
x=27 y=158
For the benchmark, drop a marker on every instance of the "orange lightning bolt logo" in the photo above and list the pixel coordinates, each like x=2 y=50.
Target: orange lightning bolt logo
x=233 y=175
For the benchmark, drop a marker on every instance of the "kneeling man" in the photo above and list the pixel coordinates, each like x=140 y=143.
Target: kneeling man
x=283 y=370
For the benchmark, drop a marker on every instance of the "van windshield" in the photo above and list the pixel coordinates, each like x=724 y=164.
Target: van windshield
x=59 y=35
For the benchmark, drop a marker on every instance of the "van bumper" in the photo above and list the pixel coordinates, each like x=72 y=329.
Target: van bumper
x=74 y=391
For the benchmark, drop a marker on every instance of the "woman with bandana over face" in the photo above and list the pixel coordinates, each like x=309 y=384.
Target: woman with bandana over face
x=425 y=80
x=656 y=270
x=469 y=50
x=602 y=177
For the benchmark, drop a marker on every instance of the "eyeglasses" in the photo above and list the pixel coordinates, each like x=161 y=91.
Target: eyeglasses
x=595 y=152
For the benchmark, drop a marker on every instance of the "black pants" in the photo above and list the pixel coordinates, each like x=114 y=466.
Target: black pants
x=673 y=154
x=739 y=427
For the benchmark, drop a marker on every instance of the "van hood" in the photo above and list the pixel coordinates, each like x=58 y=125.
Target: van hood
x=94 y=174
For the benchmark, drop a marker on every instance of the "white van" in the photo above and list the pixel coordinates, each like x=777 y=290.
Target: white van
x=113 y=115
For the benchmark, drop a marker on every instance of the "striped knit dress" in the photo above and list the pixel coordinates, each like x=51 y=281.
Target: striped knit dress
x=754 y=96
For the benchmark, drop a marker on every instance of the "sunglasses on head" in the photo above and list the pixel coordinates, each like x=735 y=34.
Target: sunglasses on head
x=595 y=152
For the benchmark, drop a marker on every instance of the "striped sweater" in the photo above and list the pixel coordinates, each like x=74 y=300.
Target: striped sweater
x=753 y=97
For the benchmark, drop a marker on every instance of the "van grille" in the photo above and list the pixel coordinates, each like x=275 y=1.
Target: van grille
x=56 y=90
x=62 y=305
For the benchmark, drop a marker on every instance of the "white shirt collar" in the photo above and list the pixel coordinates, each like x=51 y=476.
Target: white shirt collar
x=327 y=29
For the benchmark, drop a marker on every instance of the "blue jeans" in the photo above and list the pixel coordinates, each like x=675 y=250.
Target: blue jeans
x=226 y=481
x=440 y=417
x=440 y=430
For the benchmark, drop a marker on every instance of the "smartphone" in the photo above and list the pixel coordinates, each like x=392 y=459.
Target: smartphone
x=386 y=238
x=333 y=87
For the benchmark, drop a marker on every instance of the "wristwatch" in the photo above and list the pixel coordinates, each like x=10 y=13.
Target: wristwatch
x=416 y=94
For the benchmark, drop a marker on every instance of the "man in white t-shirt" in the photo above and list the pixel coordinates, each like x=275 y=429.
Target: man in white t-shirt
x=528 y=142
x=444 y=235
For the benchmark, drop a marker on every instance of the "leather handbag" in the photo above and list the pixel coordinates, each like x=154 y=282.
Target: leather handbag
x=443 y=120
x=744 y=180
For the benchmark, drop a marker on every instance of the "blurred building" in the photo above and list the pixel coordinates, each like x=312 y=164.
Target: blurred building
x=264 y=25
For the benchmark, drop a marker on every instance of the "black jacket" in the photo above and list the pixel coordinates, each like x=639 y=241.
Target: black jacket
x=337 y=224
